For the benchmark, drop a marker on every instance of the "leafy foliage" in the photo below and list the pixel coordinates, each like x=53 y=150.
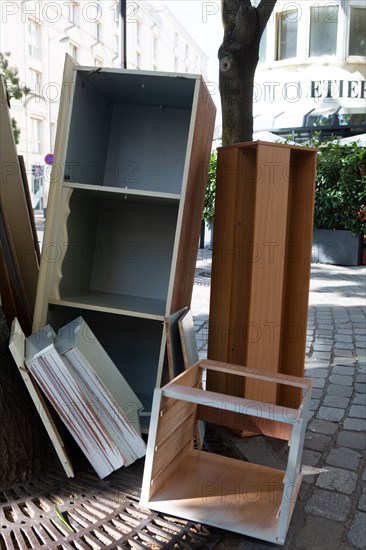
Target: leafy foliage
x=340 y=193
x=209 y=207
x=12 y=87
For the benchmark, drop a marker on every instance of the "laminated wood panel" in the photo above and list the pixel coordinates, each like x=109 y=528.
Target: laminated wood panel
x=193 y=196
x=14 y=202
x=297 y=270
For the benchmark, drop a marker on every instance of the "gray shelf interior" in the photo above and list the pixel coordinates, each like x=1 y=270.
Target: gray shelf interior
x=118 y=246
x=129 y=131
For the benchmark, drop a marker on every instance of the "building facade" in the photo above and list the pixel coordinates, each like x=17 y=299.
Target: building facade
x=312 y=69
x=38 y=34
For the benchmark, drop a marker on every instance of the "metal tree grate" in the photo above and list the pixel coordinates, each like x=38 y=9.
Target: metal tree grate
x=103 y=514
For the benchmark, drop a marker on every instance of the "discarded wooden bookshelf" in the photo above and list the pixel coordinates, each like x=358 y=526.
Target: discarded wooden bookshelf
x=238 y=496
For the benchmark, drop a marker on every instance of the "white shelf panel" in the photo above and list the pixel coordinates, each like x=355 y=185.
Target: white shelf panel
x=133 y=306
x=123 y=192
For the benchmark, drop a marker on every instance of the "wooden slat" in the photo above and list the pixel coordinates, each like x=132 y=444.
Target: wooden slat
x=230 y=403
x=15 y=204
x=264 y=375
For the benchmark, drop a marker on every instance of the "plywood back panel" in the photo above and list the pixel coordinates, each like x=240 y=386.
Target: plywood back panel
x=88 y=135
x=174 y=345
x=150 y=151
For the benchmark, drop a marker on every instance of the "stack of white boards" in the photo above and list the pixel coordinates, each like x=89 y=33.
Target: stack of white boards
x=88 y=393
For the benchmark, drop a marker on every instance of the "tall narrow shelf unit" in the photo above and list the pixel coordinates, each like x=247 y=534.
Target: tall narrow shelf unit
x=125 y=209
x=261 y=269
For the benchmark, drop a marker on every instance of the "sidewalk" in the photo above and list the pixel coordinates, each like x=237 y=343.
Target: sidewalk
x=330 y=513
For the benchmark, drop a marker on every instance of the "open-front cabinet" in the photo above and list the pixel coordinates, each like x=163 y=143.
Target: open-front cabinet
x=261 y=273
x=125 y=209
x=247 y=498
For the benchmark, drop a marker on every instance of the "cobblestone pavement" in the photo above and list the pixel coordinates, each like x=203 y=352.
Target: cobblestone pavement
x=330 y=513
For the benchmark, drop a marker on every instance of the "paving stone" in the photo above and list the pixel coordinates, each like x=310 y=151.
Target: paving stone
x=355 y=424
x=316 y=364
x=337 y=479
x=317 y=373
x=330 y=413
x=357 y=411
x=312 y=534
x=341 y=331
x=340 y=369
x=361 y=378
x=358 y=331
x=341 y=380
x=361 y=388
x=344 y=391
x=342 y=353
x=360 y=344
x=359 y=399
x=318 y=382
x=336 y=401
x=345 y=361
x=357 y=533
x=314 y=404
x=324 y=355
x=322 y=347
x=316 y=441
x=343 y=457
x=317 y=393
x=310 y=457
x=343 y=338
x=329 y=505
x=362 y=501
x=353 y=440
x=324 y=427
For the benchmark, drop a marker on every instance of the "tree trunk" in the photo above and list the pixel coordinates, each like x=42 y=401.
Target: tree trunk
x=238 y=56
x=24 y=446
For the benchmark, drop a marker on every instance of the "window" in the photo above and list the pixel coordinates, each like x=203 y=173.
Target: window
x=116 y=43
x=36 y=135
x=323 y=30
x=287 y=35
x=98 y=31
x=357 y=32
x=155 y=49
x=34 y=39
x=35 y=81
x=138 y=60
x=138 y=34
x=98 y=62
x=37 y=186
x=263 y=47
x=74 y=52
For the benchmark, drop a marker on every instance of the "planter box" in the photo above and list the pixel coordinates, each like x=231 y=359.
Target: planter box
x=336 y=247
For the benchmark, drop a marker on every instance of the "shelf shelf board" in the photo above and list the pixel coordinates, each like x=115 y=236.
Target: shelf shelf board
x=133 y=306
x=224 y=492
x=121 y=193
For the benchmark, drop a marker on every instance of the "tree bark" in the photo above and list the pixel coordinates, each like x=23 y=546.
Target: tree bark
x=238 y=57
x=24 y=446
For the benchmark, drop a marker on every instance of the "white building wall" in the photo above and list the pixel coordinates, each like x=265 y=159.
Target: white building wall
x=90 y=32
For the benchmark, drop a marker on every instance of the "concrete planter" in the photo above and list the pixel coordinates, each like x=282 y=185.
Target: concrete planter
x=336 y=247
